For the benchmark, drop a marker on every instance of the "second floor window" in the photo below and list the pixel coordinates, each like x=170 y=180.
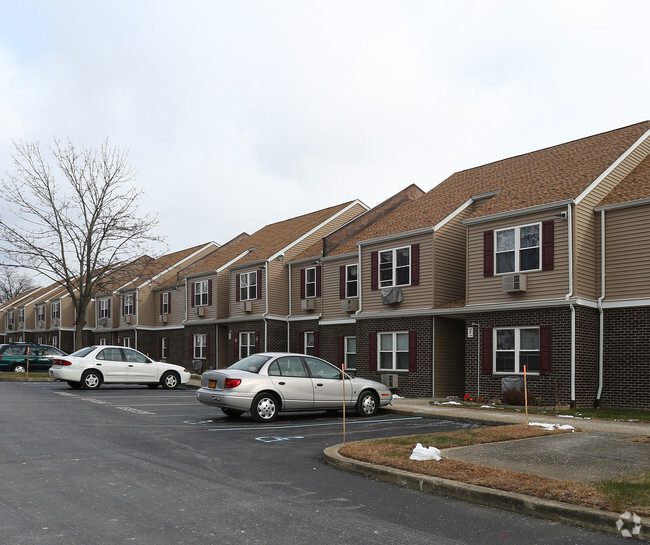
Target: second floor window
x=164 y=303
x=310 y=282
x=351 y=281
x=104 y=308
x=10 y=318
x=21 y=315
x=518 y=249
x=395 y=267
x=40 y=313
x=129 y=306
x=201 y=293
x=56 y=310
x=248 y=286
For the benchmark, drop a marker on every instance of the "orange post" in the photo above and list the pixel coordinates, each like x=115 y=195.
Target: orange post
x=526 y=395
x=343 y=381
x=28 y=362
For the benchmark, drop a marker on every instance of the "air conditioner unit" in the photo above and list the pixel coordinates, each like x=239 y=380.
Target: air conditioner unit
x=55 y=322
x=389 y=380
x=127 y=318
x=514 y=283
x=101 y=321
x=200 y=311
x=350 y=305
x=391 y=296
x=307 y=304
x=162 y=318
x=21 y=325
x=41 y=324
x=246 y=306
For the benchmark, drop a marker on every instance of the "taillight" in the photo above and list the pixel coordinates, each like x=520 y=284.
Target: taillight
x=232 y=382
x=61 y=362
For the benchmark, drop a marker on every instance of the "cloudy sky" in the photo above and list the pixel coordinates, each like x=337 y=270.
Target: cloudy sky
x=241 y=113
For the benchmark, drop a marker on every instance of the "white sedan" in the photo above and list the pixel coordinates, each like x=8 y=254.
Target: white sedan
x=89 y=367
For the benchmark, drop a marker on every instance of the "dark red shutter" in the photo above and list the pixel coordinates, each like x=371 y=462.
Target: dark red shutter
x=374 y=271
x=192 y=296
x=373 y=351
x=301 y=342
x=169 y=302
x=545 y=350
x=109 y=308
x=318 y=278
x=548 y=243
x=259 y=283
x=302 y=283
x=236 y=345
x=123 y=303
x=341 y=354
x=237 y=288
x=342 y=282
x=210 y=293
x=160 y=348
x=415 y=265
x=207 y=345
x=161 y=303
x=135 y=301
x=316 y=339
x=486 y=351
x=257 y=341
x=413 y=351
x=488 y=253
x=191 y=347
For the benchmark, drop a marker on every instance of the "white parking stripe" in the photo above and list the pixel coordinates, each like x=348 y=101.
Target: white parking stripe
x=316 y=425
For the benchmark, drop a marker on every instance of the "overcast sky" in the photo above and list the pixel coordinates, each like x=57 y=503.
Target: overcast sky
x=241 y=113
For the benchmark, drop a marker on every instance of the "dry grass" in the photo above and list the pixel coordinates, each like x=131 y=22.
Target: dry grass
x=395 y=452
x=641 y=439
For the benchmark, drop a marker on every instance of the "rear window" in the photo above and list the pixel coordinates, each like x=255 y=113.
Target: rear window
x=252 y=364
x=83 y=352
x=15 y=350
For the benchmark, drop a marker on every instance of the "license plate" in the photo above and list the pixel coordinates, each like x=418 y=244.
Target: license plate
x=212 y=384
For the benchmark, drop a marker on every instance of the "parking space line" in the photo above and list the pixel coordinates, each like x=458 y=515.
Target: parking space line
x=338 y=423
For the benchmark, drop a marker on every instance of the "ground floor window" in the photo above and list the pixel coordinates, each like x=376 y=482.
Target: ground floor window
x=55 y=341
x=102 y=341
x=246 y=344
x=350 y=353
x=516 y=347
x=127 y=342
x=39 y=340
x=393 y=351
x=309 y=343
x=164 y=348
x=200 y=346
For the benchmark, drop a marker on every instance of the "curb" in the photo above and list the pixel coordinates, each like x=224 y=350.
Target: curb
x=26 y=379
x=585 y=517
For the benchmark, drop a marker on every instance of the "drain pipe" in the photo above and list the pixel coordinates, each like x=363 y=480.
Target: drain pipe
x=601 y=316
x=572 y=307
x=478 y=360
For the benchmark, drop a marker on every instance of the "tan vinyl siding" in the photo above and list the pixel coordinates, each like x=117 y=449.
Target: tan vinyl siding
x=415 y=297
x=541 y=284
x=449 y=361
x=627 y=253
x=586 y=284
x=223 y=294
x=146 y=307
x=331 y=302
x=278 y=286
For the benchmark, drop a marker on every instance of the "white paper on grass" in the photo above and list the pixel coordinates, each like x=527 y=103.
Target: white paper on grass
x=551 y=427
x=429 y=453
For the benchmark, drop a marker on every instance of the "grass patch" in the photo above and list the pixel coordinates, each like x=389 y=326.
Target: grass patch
x=395 y=452
x=40 y=374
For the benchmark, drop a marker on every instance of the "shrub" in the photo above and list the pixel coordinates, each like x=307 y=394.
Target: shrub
x=515 y=396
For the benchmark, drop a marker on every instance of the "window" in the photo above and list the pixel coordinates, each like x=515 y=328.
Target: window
x=201 y=293
x=10 y=317
x=40 y=313
x=56 y=310
x=248 y=286
x=395 y=267
x=350 y=344
x=104 y=308
x=54 y=341
x=393 y=351
x=310 y=282
x=129 y=306
x=309 y=343
x=287 y=366
x=322 y=370
x=164 y=303
x=136 y=357
x=518 y=249
x=351 y=281
x=516 y=347
x=102 y=341
x=39 y=340
x=164 y=348
x=246 y=344
x=126 y=342
x=200 y=345
x=21 y=315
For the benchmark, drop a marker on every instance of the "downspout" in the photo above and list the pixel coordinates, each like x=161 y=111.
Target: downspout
x=266 y=313
x=359 y=290
x=290 y=312
x=433 y=356
x=572 y=306
x=137 y=317
x=601 y=317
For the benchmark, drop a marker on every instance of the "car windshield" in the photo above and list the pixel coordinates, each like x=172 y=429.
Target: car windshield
x=83 y=352
x=253 y=363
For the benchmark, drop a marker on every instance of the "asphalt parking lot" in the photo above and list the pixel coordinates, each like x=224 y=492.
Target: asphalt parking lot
x=129 y=464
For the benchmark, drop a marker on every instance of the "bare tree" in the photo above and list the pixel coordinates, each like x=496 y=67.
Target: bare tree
x=13 y=283
x=75 y=223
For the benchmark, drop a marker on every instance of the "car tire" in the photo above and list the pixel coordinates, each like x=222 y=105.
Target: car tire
x=74 y=385
x=170 y=380
x=19 y=368
x=265 y=407
x=367 y=404
x=231 y=413
x=91 y=380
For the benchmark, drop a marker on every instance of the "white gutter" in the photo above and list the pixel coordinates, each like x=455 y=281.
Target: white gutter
x=266 y=313
x=601 y=316
x=359 y=283
x=571 y=305
x=290 y=310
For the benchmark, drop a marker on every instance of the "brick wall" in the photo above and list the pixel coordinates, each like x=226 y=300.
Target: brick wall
x=329 y=342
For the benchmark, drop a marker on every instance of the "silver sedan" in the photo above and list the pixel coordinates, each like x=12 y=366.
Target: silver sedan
x=267 y=383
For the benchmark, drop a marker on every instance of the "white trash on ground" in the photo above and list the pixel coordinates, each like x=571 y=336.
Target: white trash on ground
x=551 y=427
x=429 y=453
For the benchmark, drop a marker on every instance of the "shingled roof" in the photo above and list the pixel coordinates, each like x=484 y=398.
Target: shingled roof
x=634 y=187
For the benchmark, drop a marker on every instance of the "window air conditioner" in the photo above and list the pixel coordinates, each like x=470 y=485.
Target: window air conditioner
x=127 y=319
x=162 y=318
x=247 y=306
x=55 y=322
x=200 y=311
x=307 y=304
x=21 y=325
x=389 y=380
x=350 y=305
x=514 y=283
x=391 y=296
x=101 y=321
x=41 y=324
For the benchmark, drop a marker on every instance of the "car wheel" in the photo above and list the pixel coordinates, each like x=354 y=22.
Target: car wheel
x=265 y=407
x=74 y=385
x=170 y=380
x=367 y=405
x=19 y=368
x=91 y=380
x=233 y=413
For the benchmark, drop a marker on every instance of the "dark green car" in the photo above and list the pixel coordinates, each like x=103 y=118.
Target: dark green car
x=15 y=357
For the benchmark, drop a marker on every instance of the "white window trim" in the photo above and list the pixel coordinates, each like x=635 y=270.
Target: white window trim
x=164 y=308
x=10 y=318
x=306 y=345
x=346 y=353
x=201 y=293
x=310 y=283
x=55 y=341
x=394 y=351
x=104 y=309
x=56 y=310
x=250 y=344
x=200 y=343
x=517 y=249
x=102 y=341
x=40 y=313
x=394 y=267
x=126 y=342
x=249 y=276
x=21 y=315
x=518 y=370
x=356 y=282
x=129 y=304
x=164 y=348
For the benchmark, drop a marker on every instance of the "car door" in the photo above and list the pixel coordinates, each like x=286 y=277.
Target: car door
x=290 y=378
x=139 y=368
x=328 y=384
x=110 y=361
x=38 y=361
